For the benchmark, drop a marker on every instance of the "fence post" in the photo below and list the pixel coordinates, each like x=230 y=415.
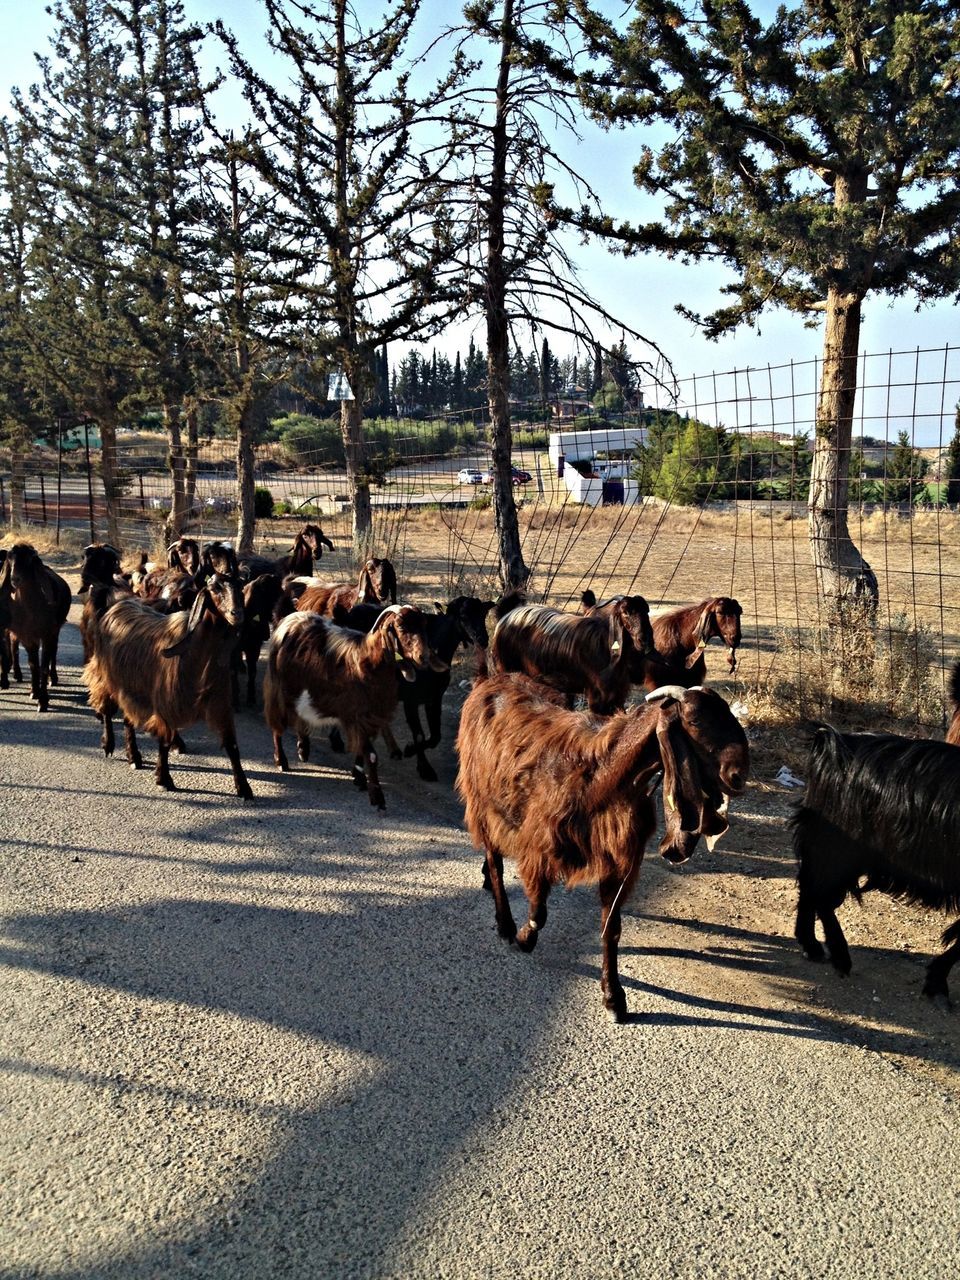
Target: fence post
x=59 y=474
x=43 y=499
x=3 y=502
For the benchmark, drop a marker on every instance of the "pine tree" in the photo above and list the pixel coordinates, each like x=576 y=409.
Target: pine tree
x=814 y=154
x=951 y=469
x=75 y=129
x=364 y=213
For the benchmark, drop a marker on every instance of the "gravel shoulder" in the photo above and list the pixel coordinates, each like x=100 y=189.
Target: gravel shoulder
x=283 y=1039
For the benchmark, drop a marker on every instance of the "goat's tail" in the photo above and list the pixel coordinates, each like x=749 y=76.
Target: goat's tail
x=588 y=600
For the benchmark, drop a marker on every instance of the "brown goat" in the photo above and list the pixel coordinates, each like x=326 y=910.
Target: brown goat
x=164 y=672
x=319 y=673
x=953 y=728
x=307 y=547
x=576 y=654
x=37 y=604
x=569 y=796
x=680 y=637
x=377 y=584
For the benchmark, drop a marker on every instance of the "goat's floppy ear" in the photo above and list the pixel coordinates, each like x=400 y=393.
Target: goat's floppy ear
x=681 y=778
x=703 y=634
x=365 y=589
x=688 y=812
x=388 y=581
x=616 y=634
x=199 y=608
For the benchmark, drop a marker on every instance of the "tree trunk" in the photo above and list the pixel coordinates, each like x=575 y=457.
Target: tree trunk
x=358 y=478
x=18 y=478
x=513 y=571
x=176 y=521
x=246 y=479
x=193 y=449
x=842 y=573
x=110 y=477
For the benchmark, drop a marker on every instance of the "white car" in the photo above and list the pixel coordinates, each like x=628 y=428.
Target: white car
x=466 y=475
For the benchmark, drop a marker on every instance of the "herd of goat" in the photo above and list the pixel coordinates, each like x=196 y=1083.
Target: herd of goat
x=569 y=795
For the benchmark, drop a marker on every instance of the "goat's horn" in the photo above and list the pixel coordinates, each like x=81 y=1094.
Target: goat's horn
x=667 y=691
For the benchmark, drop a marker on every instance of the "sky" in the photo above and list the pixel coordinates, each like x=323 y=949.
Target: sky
x=641 y=290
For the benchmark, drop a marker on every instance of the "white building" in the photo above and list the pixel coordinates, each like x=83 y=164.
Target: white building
x=573 y=452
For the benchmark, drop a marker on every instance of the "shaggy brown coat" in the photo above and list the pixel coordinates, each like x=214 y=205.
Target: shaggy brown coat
x=318 y=672
x=165 y=672
x=681 y=636
x=576 y=654
x=569 y=796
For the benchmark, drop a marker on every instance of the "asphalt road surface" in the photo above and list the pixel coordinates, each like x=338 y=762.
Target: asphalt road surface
x=281 y=1038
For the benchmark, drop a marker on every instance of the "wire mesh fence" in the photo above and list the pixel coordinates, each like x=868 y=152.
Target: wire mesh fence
x=677 y=497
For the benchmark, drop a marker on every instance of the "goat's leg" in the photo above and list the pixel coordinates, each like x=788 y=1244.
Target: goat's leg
x=50 y=661
x=38 y=677
x=536 y=890
x=106 y=736
x=506 y=926
x=250 y=658
x=15 y=651
x=303 y=746
x=614 y=999
x=4 y=660
x=163 y=765
x=279 y=755
x=228 y=740
x=390 y=742
x=805 y=928
x=336 y=740
x=370 y=762
x=935 y=985
x=178 y=745
x=833 y=934
x=417 y=747
x=130 y=740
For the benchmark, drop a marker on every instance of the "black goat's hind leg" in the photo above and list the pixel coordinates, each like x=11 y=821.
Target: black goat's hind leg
x=935 y=985
x=833 y=935
x=805 y=930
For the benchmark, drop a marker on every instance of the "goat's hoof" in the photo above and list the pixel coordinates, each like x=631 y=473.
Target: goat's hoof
x=427 y=771
x=410 y=750
x=526 y=939
x=616 y=1006
x=618 y=1015
x=940 y=999
x=166 y=783
x=813 y=951
x=245 y=792
x=43 y=706
x=376 y=798
x=396 y=754
x=360 y=779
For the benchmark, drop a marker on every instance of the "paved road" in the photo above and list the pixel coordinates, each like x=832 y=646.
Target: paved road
x=282 y=1039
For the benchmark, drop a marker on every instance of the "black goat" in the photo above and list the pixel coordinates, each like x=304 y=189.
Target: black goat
x=38 y=601
x=885 y=809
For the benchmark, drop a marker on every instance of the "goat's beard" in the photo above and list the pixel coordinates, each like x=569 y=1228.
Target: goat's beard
x=678 y=845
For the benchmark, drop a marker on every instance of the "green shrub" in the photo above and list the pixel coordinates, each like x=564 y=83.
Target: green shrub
x=263 y=507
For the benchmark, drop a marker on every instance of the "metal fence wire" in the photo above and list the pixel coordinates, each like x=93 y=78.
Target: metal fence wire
x=675 y=497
